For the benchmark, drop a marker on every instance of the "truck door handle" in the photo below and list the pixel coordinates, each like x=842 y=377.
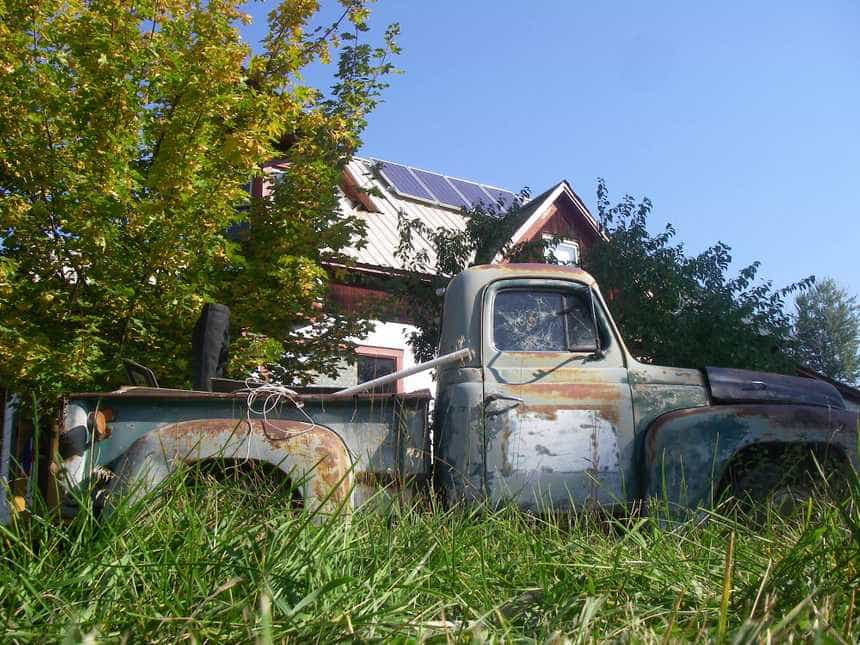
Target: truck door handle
x=498 y=396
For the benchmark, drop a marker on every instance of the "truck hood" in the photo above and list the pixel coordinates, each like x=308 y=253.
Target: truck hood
x=746 y=386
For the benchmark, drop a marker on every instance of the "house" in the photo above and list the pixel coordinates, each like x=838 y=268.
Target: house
x=376 y=191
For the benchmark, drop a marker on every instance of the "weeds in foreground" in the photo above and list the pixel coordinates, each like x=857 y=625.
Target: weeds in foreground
x=223 y=561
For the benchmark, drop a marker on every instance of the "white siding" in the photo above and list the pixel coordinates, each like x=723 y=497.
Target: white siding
x=388 y=335
x=393 y=336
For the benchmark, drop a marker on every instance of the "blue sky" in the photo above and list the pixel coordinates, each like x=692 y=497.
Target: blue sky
x=741 y=121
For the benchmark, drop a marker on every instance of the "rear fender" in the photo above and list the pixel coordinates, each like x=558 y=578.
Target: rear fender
x=311 y=455
x=687 y=451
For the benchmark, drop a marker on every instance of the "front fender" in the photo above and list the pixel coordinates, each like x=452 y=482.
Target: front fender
x=314 y=456
x=687 y=451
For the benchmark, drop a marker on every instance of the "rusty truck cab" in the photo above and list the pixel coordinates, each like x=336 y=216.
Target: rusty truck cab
x=543 y=413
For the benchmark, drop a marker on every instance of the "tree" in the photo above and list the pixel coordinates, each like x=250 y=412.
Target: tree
x=827 y=327
x=673 y=309
x=129 y=130
x=679 y=309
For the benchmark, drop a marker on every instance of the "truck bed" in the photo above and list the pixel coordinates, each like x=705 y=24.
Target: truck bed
x=386 y=435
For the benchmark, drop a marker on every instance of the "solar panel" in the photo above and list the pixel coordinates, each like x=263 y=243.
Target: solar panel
x=441 y=189
x=505 y=197
x=403 y=181
x=446 y=191
x=472 y=192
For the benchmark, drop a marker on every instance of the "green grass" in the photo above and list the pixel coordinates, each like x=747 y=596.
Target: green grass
x=211 y=561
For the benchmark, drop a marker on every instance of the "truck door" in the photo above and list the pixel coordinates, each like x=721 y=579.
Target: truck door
x=558 y=412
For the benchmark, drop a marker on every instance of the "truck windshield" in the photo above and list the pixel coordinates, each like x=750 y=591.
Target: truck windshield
x=542 y=321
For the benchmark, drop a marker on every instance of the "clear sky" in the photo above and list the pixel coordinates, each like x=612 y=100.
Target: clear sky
x=741 y=121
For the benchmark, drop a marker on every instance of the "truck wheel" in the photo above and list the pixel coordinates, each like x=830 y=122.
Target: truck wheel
x=784 y=477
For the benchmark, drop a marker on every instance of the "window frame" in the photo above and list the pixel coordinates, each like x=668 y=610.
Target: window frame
x=372 y=351
x=568 y=242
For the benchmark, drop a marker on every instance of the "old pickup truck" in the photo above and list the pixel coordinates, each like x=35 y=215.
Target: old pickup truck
x=544 y=407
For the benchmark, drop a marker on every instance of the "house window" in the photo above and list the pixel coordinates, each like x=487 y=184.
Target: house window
x=374 y=362
x=566 y=251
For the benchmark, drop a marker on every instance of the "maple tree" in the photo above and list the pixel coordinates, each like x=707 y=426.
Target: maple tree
x=128 y=135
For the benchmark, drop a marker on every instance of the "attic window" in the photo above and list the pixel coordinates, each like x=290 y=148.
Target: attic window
x=566 y=251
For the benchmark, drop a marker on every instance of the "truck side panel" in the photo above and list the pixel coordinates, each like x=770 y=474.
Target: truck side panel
x=315 y=457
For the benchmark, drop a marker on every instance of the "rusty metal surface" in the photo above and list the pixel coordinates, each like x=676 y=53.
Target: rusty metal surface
x=387 y=436
x=653 y=401
x=686 y=452
x=641 y=373
x=580 y=428
x=563 y=446
x=314 y=456
x=746 y=386
x=542 y=429
x=529 y=269
x=180 y=395
x=658 y=390
x=558 y=425
x=459 y=442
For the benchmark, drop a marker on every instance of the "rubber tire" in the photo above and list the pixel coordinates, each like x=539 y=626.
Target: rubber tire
x=784 y=479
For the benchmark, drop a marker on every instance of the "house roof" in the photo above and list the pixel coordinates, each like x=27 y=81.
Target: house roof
x=382 y=231
x=536 y=208
x=379 y=206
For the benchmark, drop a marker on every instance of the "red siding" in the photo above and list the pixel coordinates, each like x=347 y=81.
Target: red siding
x=354 y=299
x=564 y=219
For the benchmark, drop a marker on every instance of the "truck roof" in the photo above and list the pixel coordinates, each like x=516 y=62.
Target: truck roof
x=526 y=270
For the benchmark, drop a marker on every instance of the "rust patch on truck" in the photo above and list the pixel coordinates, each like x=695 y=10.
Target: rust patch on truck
x=317 y=450
x=525 y=269
x=558 y=396
x=800 y=416
x=580 y=391
x=548 y=412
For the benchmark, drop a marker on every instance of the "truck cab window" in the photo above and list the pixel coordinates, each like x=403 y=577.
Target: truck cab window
x=542 y=321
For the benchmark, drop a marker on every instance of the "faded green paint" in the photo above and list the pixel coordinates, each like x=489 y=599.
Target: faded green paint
x=384 y=437
x=658 y=390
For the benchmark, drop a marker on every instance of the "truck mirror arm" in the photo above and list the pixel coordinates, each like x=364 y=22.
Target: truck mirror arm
x=596 y=355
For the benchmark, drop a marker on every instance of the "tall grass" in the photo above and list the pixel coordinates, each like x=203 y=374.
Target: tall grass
x=222 y=561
